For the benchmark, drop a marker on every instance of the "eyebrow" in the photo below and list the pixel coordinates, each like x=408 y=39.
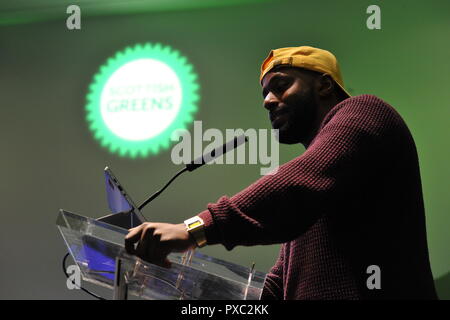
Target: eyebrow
x=274 y=78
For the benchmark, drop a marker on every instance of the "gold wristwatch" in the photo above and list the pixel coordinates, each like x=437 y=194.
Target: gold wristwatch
x=195 y=226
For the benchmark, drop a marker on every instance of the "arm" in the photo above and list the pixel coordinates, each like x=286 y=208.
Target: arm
x=278 y=208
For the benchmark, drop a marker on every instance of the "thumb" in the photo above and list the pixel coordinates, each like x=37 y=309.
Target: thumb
x=167 y=264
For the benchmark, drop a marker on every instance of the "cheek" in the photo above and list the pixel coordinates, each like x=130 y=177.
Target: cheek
x=303 y=109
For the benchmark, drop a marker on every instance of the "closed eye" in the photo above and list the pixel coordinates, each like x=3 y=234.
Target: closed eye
x=280 y=86
x=277 y=84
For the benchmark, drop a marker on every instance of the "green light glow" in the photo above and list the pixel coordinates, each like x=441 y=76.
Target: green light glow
x=20 y=12
x=139 y=97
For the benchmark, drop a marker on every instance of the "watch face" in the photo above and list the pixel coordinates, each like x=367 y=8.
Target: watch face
x=194 y=225
x=193 y=222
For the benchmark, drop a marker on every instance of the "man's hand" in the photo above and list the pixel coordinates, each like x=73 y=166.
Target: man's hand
x=156 y=240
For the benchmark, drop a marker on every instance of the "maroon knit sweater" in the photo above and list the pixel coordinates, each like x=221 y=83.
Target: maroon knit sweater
x=353 y=199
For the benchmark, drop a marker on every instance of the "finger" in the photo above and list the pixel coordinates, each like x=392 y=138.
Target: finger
x=144 y=247
x=160 y=257
x=131 y=238
x=167 y=264
x=151 y=249
x=162 y=262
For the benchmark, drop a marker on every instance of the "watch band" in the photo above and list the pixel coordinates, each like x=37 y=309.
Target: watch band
x=195 y=226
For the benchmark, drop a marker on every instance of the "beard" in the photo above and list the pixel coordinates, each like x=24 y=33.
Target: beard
x=296 y=119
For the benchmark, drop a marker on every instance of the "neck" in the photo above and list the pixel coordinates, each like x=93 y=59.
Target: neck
x=323 y=107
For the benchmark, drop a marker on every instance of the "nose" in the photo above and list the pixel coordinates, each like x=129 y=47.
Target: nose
x=271 y=101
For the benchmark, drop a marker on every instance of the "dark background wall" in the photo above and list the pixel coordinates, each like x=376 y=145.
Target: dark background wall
x=50 y=159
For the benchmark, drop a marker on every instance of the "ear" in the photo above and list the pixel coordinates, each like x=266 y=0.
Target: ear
x=325 y=85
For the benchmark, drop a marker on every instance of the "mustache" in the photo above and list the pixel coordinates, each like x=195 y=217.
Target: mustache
x=278 y=112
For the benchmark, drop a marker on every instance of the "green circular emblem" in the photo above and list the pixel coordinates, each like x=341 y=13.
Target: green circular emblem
x=139 y=97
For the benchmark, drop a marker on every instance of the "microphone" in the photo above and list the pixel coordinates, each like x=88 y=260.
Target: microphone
x=200 y=161
x=217 y=152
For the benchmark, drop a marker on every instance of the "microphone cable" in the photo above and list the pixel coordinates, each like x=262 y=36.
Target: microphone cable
x=157 y=193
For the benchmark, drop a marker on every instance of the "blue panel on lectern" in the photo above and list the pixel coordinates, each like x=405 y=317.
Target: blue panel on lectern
x=99 y=258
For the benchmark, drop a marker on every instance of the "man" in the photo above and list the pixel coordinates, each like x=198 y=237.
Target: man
x=349 y=211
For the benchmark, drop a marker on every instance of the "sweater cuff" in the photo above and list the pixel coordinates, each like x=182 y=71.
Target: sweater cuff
x=211 y=233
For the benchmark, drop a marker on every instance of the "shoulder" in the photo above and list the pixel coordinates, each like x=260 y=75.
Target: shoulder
x=365 y=112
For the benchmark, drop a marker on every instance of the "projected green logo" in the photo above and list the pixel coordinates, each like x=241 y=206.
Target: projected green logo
x=139 y=97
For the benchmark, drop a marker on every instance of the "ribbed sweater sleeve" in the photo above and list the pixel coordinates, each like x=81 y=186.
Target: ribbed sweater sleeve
x=280 y=207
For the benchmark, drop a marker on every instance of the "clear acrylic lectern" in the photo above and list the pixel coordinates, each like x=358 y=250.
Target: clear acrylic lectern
x=98 y=250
